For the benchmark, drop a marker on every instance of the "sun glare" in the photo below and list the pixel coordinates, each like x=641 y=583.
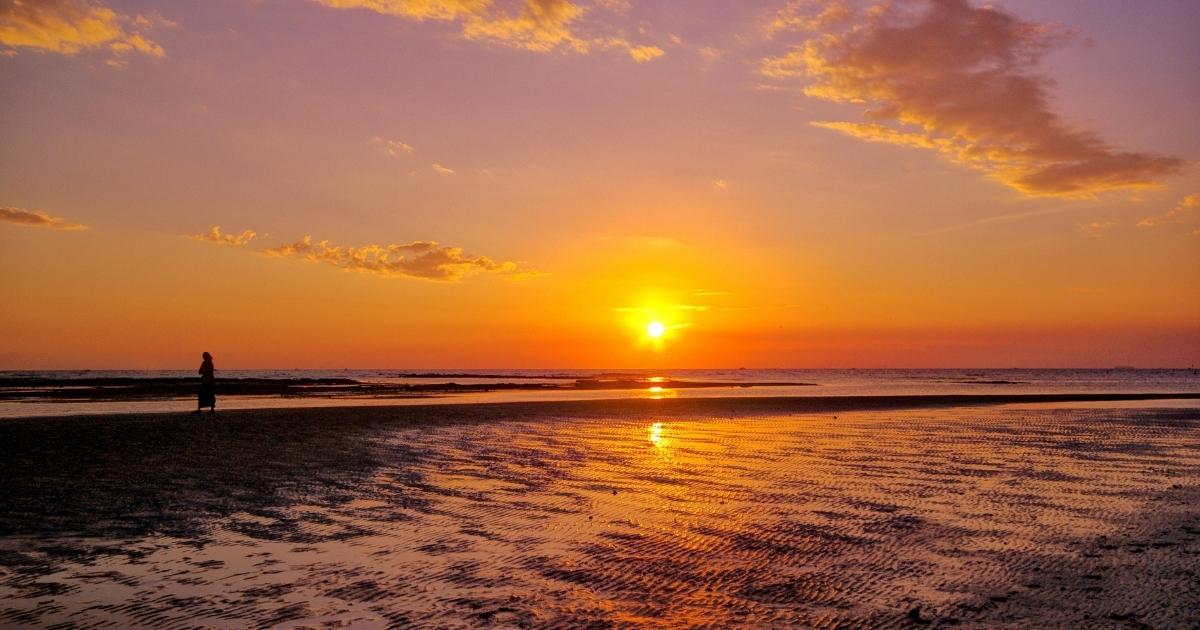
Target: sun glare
x=655 y=329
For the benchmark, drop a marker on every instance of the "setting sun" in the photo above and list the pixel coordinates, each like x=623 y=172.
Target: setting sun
x=655 y=329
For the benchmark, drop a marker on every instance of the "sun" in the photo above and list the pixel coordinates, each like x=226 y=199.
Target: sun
x=655 y=329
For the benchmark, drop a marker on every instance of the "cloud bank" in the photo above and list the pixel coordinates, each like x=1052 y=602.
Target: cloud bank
x=35 y=218
x=70 y=26
x=536 y=25
x=960 y=80
x=418 y=259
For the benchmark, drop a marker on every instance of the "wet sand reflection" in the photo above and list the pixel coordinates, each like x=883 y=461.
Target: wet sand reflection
x=980 y=516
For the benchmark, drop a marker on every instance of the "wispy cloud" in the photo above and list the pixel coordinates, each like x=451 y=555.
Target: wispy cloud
x=721 y=184
x=214 y=235
x=418 y=259
x=809 y=15
x=1182 y=210
x=1097 y=229
x=441 y=170
x=392 y=147
x=960 y=80
x=642 y=54
x=36 y=218
x=535 y=25
x=1004 y=218
x=70 y=26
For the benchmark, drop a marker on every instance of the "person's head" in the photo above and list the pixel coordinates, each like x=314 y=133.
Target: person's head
x=207 y=356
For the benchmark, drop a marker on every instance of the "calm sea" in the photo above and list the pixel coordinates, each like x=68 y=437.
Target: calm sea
x=853 y=382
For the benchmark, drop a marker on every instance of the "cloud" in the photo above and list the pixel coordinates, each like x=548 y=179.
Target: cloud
x=721 y=184
x=540 y=25
x=1182 y=210
x=418 y=259
x=415 y=9
x=215 y=236
x=441 y=170
x=881 y=133
x=1096 y=229
x=70 y=26
x=642 y=54
x=809 y=15
x=392 y=147
x=961 y=80
x=35 y=218
x=616 y=6
x=535 y=25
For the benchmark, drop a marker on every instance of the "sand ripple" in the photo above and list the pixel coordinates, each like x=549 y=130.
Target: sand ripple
x=979 y=517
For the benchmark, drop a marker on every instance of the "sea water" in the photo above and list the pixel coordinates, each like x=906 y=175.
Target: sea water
x=735 y=382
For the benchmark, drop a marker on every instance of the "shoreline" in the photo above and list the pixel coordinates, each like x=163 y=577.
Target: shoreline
x=116 y=389
x=742 y=406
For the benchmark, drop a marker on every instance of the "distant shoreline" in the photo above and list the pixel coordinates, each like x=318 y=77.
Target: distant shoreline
x=113 y=389
x=625 y=407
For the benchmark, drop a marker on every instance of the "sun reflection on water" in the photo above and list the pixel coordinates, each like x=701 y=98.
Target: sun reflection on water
x=661 y=439
x=656 y=436
x=657 y=392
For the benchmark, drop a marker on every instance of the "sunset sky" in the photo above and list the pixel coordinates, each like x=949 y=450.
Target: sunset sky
x=530 y=183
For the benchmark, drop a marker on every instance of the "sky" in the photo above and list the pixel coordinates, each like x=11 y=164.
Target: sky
x=531 y=183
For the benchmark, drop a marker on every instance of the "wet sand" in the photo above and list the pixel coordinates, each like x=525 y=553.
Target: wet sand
x=889 y=512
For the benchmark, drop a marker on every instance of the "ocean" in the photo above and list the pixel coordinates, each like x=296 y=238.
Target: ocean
x=734 y=383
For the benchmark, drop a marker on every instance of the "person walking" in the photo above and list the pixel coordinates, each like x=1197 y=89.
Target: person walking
x=208 y=386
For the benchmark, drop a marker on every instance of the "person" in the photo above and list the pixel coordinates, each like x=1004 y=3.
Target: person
x=208 y=386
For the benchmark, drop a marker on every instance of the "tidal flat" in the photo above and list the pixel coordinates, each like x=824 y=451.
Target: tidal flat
x=686 y=513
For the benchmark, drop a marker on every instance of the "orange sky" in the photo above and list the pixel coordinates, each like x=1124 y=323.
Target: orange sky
x=454 y=183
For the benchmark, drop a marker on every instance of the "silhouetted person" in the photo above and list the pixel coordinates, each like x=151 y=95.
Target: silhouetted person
x=208 y=386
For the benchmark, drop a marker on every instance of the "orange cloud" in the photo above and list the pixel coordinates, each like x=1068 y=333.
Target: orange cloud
x=536 y=25
x=872 y=132
x=642 y=54
x=415 y=9
x=960 y=80
x=1182 y=210
x=215 y=236
x=35 y=218
x=540 y=25
x=419 y=259
x=809 y=15
x=70 y=26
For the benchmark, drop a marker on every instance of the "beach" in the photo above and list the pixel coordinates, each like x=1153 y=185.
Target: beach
x=759 y=512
